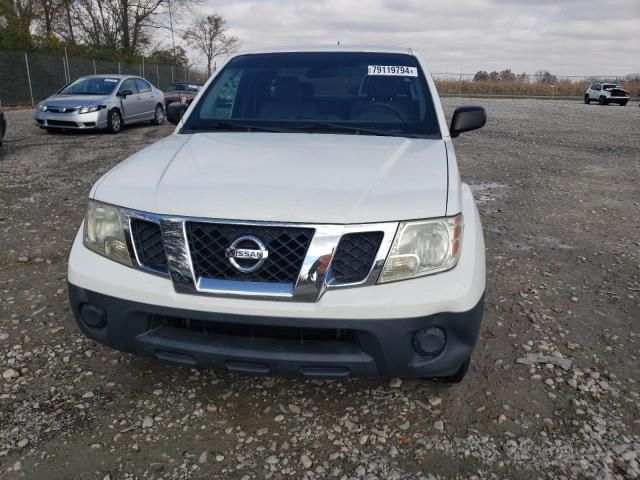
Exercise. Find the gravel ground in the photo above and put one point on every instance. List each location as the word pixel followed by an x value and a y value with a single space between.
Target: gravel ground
pixel 553 390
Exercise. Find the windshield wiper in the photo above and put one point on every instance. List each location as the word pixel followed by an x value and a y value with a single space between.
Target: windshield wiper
pixel 231 126
pixel 311 127
pixel 335 127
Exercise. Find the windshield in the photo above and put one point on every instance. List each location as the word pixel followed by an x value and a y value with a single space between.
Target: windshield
pixel 91 86
pixel 338 92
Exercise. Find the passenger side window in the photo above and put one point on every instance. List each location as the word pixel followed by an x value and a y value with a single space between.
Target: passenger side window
pixel 128 84
pixel 219 104
pixel 143 86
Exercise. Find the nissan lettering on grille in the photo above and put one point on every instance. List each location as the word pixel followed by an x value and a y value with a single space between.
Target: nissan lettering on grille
pixel 245 259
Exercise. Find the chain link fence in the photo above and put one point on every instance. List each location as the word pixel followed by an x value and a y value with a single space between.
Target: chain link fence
pixel 27 78
pixel 549 85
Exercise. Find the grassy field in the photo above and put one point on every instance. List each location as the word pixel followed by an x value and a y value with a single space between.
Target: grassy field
pixel 561 88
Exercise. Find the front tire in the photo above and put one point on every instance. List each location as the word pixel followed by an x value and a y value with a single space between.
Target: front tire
pixel 622 104
pixel 457 377
pixel 114 122
pixel 587 100
pixel 602 100
pixel 158 116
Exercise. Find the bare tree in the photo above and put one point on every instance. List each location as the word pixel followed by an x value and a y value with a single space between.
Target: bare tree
pixel 122 26
pixel 209 35
pixel 114 27
pixel 481 76
pixel 18 18
pixel 507 75
pixel 544 76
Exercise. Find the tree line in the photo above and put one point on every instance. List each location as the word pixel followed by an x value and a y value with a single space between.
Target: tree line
pixel 541 76
pixel 122 29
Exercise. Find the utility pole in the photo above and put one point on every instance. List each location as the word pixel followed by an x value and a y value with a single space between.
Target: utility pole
pixel 173 40
pixel 68 72
pixel 26 61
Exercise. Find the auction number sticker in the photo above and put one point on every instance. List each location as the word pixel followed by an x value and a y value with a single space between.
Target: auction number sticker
pixel 393 70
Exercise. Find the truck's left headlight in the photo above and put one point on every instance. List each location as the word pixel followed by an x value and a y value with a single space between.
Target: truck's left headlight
pixel 422 248
pixel 103 232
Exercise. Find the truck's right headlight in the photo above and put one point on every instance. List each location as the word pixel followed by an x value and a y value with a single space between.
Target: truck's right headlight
pixel 422 248
pixel 103 232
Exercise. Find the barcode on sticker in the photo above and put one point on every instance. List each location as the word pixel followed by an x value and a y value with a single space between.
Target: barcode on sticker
pixel 399 70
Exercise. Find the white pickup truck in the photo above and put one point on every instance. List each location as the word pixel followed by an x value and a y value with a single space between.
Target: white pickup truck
pixel 305 218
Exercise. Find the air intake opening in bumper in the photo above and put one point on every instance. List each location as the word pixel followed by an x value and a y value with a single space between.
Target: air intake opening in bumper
pixel 251 331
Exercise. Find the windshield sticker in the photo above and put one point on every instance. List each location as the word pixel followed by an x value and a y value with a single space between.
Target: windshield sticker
pixel 393 70
pixel 113 80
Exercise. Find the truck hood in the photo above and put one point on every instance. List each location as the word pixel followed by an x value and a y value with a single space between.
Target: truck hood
pixel 285 177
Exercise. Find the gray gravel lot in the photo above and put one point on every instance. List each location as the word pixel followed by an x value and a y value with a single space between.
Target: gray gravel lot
pixel 553 390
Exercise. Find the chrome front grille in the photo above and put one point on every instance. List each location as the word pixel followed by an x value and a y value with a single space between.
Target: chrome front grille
pixel 56 109
pixel 287 248
pixel 303 261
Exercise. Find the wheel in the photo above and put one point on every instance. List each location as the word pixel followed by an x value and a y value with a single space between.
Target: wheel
pixel 158 117
pixel 587 100
pixel 457 376
pixel 114 122
pixel 622 104
pixel 602 100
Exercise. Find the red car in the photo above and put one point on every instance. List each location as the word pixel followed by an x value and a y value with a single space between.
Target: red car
pixel 181 92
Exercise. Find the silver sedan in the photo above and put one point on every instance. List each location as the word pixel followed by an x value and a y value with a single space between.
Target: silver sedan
pixel 102 101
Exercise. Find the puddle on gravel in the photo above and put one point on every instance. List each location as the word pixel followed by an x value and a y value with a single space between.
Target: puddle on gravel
pixel 552 242
pixel 518 246
pixel 485 192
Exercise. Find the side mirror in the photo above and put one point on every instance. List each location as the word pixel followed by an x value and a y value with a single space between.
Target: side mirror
pixel 467 118
pixel 175 111
pixel 125 93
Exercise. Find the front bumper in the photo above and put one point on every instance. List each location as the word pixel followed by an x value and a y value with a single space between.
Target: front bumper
pixel 318 348
pixel 73 120
pixel 374 325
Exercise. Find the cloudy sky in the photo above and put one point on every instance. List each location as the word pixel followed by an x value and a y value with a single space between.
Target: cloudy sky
pixel 570 37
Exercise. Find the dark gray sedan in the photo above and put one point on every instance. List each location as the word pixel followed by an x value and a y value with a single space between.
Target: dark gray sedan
pixel 102 102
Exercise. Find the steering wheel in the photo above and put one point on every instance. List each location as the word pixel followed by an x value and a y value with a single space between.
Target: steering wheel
pixel 391 108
